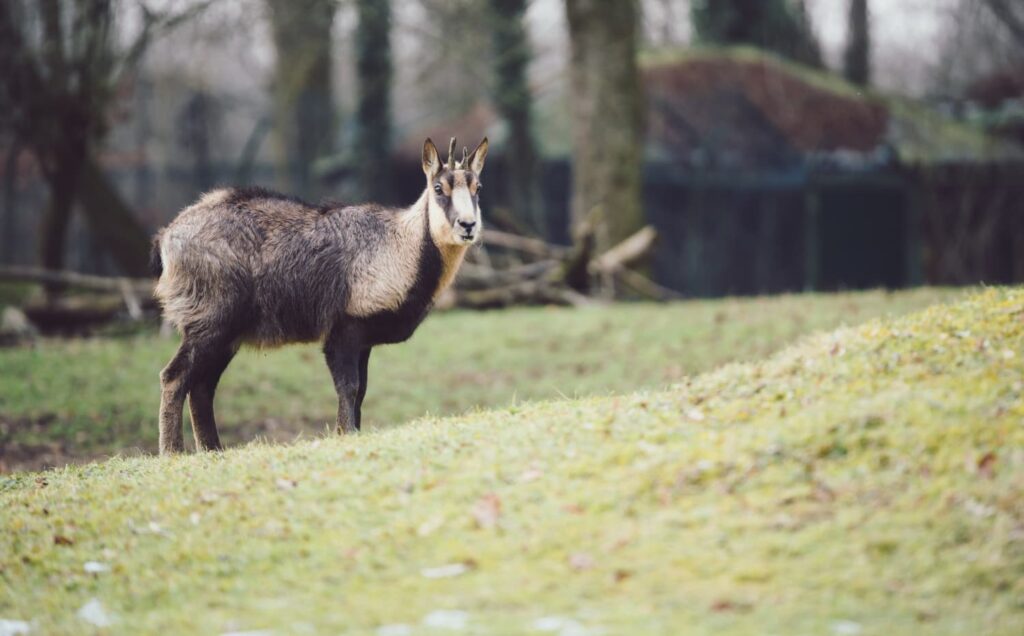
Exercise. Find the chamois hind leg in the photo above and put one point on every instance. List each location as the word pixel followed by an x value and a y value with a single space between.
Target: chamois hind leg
pixel 364 367
pixel 207 368
pixel 173 389
pixel 343 361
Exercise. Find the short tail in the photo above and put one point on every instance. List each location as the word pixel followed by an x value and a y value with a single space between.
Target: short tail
pixel 156 264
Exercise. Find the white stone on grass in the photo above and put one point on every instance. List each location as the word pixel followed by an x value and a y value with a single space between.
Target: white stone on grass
pixel 95 567
pixel 446 619
pixel 846 628
pixel 445 571
pixel 10 627
pixel 95 614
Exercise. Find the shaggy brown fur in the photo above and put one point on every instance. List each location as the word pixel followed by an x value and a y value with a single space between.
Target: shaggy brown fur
pixel 253 266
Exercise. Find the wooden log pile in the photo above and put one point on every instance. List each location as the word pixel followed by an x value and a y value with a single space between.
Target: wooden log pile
pixel 507 269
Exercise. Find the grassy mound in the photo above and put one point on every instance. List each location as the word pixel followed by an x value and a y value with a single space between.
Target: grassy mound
pixel 867 481
pixel 67 399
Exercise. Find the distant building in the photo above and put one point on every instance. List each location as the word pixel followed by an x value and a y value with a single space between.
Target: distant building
pixel 763 176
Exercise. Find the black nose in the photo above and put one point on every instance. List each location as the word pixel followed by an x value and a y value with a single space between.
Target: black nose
pixel 467 225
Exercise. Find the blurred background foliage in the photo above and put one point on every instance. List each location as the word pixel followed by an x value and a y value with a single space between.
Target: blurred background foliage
pixel 775 145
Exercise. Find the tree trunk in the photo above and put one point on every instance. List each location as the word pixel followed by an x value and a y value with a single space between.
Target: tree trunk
pixel 10 224
pixel 1012 19
pixel 61 171
pixel 857 58
pixel 511 92
pixel 303 99
pixel 781 26
pixel 53 228
pixel 607 119
pixel 373 126
pixel 111 221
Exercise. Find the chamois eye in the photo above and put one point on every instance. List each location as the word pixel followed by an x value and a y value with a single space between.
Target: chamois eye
pixel 479 187
pixel 437 188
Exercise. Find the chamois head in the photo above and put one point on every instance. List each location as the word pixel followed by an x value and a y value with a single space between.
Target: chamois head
pixel 453 192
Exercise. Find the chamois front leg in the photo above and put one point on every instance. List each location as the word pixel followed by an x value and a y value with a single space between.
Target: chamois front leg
pixel 343 361
pixel 364 367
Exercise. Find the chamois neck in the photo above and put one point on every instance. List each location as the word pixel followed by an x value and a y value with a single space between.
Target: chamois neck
pixel 440 231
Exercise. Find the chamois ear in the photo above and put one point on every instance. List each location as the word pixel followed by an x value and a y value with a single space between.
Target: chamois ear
pixel 431 160
pixel 476 160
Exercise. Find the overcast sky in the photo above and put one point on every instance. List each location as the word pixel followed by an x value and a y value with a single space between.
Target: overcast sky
pixel 906 35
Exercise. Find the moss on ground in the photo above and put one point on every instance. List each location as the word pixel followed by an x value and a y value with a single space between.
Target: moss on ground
pixel 89 397
pixel 864 481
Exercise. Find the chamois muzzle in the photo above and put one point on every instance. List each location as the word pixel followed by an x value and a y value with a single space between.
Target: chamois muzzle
pixel 467 231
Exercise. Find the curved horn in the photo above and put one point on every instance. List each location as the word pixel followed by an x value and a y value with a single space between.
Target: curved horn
pixel 463 164
pixel 451 154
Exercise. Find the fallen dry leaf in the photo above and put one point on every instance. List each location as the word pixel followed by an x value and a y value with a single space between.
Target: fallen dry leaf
pixel 987 465
pixel 725 605
pixel 487 511
pixel 581 561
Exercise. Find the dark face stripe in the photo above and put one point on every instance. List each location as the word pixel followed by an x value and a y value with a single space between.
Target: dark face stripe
pixel 449 181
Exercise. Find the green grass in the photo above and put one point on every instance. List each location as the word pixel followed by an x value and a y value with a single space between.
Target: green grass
pixel 90 397
pixel 864 481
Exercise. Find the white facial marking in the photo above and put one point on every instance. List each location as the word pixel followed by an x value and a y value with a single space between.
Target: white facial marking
pixel 465 212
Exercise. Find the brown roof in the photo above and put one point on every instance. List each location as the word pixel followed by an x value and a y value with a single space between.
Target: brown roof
pixel 747 112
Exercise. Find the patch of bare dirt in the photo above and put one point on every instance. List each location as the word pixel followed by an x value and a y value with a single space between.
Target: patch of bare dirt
pixel 19 456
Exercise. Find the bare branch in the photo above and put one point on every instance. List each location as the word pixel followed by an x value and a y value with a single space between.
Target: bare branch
pixel 155 25
pixel 1003 10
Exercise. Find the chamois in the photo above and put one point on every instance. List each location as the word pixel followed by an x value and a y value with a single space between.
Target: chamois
pixel 247 265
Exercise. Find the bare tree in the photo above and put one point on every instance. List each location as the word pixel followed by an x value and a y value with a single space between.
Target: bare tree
pixel 62 68
pixel 511 93
pixel 373 117
pixel 303 99
pixel 607 121
pixel 857 57
pixel 451 69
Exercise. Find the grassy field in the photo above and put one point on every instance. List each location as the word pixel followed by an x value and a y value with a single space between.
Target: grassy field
pixel 864 481
pixel 84 398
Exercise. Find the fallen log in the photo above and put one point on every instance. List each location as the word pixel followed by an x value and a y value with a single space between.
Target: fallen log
pixel 628 251
pixel 645 286
pixel 23 274
pixel 524 244
pixel 555 275
pixel 477 276
pixel 71 313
